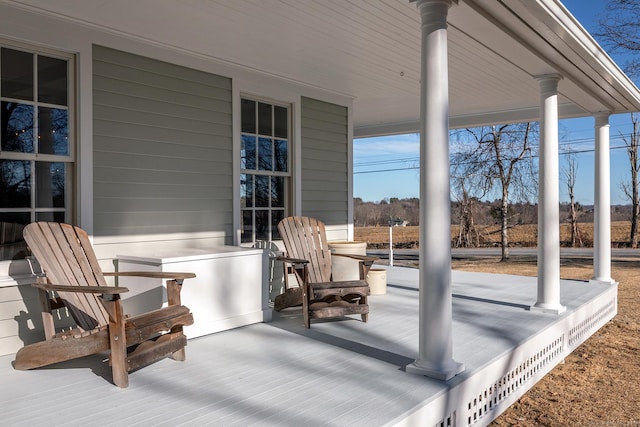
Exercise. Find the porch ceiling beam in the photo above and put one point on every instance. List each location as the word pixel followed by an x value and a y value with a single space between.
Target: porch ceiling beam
pixel 546 30
pixel 471 120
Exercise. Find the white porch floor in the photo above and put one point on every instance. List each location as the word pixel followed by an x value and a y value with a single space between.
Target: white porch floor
pixel 341 373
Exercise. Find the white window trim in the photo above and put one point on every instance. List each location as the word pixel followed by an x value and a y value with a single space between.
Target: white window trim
pixel 14 272
pixel 291 157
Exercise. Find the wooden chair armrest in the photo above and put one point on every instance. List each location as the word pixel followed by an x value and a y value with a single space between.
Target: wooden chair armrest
pixel 292 260
pixel 152 274
pixel 106 290
pixel 361 258
pixel 174 284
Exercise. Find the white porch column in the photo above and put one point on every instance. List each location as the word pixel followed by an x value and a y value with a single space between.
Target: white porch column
pixel 435 340
pixel 549 199
pixel 602 203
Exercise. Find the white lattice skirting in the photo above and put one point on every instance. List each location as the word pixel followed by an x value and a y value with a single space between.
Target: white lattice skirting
pixel 487 393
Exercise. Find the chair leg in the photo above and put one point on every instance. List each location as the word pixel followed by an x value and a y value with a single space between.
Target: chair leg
pixel 180 355
pixel 307 320
pixel 305 306
pixel 173 298
pixel 119 370
pixel 364 316
pixel 117 343
pixel 47 316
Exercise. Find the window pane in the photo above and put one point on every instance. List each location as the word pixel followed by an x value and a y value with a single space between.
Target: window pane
pixel 17 131
pixel 246 227
pixel 53 137
pixel 264 119
pixel 277 191
pixel 265 154
pixel 280 157
pixel 52 80
pixel 22 218
pixel 248 116
pixel 262 191
pixel 262 225
pixel 248 153
pixel 17 74
pixel 50 183
pixel 15 184
pixel 276 217
pixel 281 122
pixel 12 244
pixel 50 216
pixel 246 191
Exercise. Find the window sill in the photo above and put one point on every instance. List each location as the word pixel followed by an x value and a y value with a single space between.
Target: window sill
pixel 15 272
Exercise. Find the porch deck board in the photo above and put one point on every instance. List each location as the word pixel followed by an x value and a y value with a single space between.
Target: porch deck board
pixel 336 373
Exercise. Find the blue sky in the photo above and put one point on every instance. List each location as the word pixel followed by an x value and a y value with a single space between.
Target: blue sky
pixel 388 166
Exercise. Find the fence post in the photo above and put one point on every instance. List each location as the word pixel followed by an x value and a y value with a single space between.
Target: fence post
pixel 390 243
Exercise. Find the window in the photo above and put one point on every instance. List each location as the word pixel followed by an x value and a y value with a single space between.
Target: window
pixel 265 170
pixel 36 150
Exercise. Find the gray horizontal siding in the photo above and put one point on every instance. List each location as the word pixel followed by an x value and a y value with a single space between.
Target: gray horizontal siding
pixel 21 319
pixel 325 168
pixel 163 150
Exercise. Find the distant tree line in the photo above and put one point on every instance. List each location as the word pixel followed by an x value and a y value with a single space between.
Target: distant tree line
pixel 378 214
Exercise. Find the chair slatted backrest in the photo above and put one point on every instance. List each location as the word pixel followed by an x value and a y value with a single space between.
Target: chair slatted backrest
pixel 67 258
pixel 306 238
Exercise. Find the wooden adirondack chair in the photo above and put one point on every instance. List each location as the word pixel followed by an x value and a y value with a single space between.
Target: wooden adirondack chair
pixel 73 274
pixel 309 256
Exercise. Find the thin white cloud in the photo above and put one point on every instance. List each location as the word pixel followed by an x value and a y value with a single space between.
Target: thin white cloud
pixel 387 146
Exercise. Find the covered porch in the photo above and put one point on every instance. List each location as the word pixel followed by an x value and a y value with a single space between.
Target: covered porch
pixel 375 64
pixel 336 373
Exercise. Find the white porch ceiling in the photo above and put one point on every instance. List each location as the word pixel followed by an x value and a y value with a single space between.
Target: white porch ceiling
pixel 370 50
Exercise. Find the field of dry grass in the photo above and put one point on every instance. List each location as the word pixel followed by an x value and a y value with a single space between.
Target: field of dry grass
pixel 599 383
pixel 524 235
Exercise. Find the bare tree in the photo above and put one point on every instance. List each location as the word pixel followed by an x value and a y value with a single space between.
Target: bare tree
pixel 501 156
pixel 468 236
pixel 620 32
pixel 570 173
pixel 467 189
pixel 632 188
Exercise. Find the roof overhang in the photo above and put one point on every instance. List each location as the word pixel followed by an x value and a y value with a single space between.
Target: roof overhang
pixel 370 51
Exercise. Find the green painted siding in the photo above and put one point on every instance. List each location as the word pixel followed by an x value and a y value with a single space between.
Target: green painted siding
pixel 325 161
pixel 162 147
